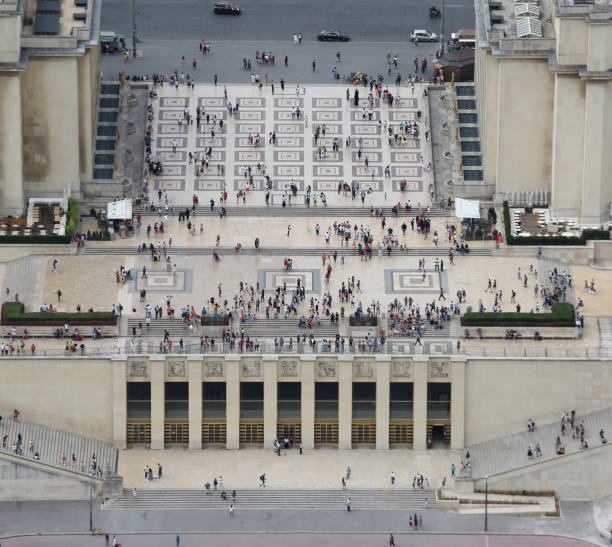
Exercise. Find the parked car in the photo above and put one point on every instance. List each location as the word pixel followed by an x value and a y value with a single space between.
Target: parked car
pixel 423 36
pixel 333 35
pixel 227 8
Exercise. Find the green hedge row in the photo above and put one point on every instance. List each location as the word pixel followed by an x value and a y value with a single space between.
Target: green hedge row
pixel 550 240
pixel 73 217
pixel 14 313
pixel 562 315
pixel 36 240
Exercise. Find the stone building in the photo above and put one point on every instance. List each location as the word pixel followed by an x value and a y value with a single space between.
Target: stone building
pixel 544 98
pixel 49 77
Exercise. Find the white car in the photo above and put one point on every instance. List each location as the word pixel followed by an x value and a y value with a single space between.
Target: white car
pixel 423 36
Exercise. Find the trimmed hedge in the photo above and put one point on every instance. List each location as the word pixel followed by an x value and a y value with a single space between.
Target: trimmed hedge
pixel 36 240
pixel 214 320
pixel 13 313
pixel 550 240
pixel 73 217
pixel 562 315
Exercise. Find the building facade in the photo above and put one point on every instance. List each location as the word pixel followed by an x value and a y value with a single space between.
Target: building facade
pixel 343 401
pixel 544 99
pixel 49 77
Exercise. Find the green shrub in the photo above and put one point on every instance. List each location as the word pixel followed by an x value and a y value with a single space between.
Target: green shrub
pixel 36 240
pixel 14 313
pixel 73 217
pixel 562 315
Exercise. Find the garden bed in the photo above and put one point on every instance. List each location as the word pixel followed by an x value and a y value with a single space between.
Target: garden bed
pixel 13 313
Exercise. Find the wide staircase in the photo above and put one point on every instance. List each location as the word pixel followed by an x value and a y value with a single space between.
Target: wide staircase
pixel 51 443
pixel 288 327
pixel 269 498
pixel 510 452
pixel 295 211
pixel 441 250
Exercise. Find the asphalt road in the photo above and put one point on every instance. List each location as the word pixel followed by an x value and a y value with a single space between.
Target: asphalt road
pixel 169 30
pixel 278 20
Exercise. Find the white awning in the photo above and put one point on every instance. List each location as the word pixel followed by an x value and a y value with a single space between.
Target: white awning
pixel 119 209
pixel 467 208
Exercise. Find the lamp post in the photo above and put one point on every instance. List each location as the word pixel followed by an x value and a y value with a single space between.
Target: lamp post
pixel 133 29
pixel 91 503
pixel 486 503
pixel 442 28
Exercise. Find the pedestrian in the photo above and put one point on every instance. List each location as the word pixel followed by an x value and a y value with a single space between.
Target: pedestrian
pixel 134 493
pixel 231 510
pixel 343 484
pixel 391 541
pixel 348 504
pixel 262 478
pixel 392 476
pixel 215 78
pixel 59 295
pixel 178 540
pixel 348 472
pixel 453 470
pixel 300 449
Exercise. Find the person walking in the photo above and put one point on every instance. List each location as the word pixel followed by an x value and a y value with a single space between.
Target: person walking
pixel 392 477
pixel 231 510
pixel 178 540
pixel 348 472
pixel 453 470
pixel 391 541
pixel 348 504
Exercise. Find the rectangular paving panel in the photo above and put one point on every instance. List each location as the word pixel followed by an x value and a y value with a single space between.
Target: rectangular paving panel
pixel 406 171
pixel 287 116
pixel 363 171
pixel 163 281
pixel 366 142
pixel 203 185
pixel 215 142
pixel 333 129
pixel 212 102
pixel 251 115
pixel 171 185
pixel 411 186
pixel 244 142
pixel 173 102
pixel 415 282
pixel 250 128
pixel 326 102
pixel 357 116
pixel 289 142
pixel 409 143
pixel 289 155
pixel 171 129
pixel 325 116
pixel 365 129
pixel 288 170
pixel 284 185
pixel 329 141
pixel 175 170
pixel 251 102
pixel 373 157
pixel 242 184
pixel 310 280
pixel 376 185
pixel 172 156
pixel 249 156
pixel 406 102
pixel 329 156
pixel 363 100
pixel 404 157
pixel 289 128
pixel 288 102
pixel 402 116
pixel 328 170
pixel 330 185
pixel 166 142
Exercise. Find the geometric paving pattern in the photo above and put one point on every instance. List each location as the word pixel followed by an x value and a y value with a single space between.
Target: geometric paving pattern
pixel 414 282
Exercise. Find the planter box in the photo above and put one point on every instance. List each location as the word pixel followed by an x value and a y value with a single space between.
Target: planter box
pixel 363 321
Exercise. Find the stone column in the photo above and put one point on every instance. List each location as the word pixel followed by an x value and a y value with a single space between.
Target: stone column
pixel 270 402
pixel 308 402
pixel 232 402
pixel 194 374
pixel 119 367
pixel 11 143
pixel 383 365
pixel 345 404
pixel 158 396
pixel 458 405
pixel 420 403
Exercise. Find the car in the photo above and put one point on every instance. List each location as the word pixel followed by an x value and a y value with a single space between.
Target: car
pixel 333 35
pixel 227 8
pixel 423 36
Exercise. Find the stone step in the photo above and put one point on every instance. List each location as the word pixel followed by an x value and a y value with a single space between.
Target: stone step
pixel 509 452
pixel 50 443
pixel 264 498
pixel 442 251
pixel 295 211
